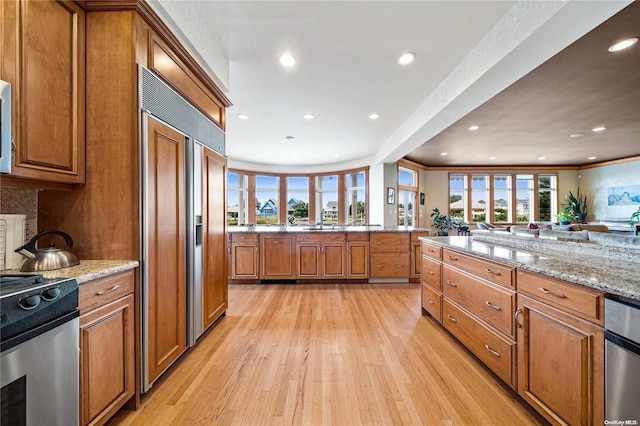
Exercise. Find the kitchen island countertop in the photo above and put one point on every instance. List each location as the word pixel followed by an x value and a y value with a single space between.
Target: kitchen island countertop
pixel 257 229
pixel 611 275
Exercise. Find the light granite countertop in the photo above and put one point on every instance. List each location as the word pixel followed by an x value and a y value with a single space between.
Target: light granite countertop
pixel 87 270
pixel 316 228
pixel 612 275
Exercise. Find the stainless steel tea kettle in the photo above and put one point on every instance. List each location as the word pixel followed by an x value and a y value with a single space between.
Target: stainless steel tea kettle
pixel 49 258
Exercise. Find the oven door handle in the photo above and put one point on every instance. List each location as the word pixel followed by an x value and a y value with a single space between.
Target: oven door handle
pixel 630 345
pixel 23 337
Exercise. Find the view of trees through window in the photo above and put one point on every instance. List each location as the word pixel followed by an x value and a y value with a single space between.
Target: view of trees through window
pixel 355 199
pixel 407 192
pixel 298 200
pixel 492 196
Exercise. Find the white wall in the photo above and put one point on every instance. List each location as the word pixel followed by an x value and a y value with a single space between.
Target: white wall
pixel 436 194
pixel 595 182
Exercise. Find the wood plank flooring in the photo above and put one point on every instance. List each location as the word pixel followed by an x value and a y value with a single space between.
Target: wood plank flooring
pixel 328 354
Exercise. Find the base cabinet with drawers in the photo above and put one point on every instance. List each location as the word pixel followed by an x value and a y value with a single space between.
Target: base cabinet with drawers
pixel 431 283
pixel 390 254
pixel 107 346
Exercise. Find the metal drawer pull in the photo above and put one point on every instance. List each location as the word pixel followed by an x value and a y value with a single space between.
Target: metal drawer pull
pixel 515 317
pixel 429 271
pixel 430 301
pixel 431 251
pixel 492 272
pixel 399 265
pixel 379 243
pixel 556 294
pixel 491 351
pixel 452 319
pixel 277 242
pixel 114 288
pixel 491 305
pixel 380 265
pixel 452 284
pixel 452 258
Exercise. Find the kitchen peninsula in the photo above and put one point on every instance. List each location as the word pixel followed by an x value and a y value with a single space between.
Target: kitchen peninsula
pixel 324 253
pixel 532 310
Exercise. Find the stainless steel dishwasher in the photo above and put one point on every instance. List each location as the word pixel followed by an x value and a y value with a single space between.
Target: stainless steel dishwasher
pixel 622 361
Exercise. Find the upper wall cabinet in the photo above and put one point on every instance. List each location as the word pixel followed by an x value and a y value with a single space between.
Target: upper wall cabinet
pixel 43 44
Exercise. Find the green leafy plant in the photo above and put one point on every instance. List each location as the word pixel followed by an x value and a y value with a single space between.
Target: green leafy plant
pixel 442 223
pixel 565 215
pixel 635 216
pixel 577 204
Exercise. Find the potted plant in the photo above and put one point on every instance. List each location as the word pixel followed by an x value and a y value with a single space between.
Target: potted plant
pixel 462 225
pixel 577 204
pixel 442 223
pixel 565 216
pixel 635 216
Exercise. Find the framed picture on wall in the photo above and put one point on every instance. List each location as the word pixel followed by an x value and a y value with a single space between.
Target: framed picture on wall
pixel 391 195
pixel 422 198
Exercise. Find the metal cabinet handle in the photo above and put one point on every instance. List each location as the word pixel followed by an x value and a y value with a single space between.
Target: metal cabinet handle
pixel 491 305
pixel 452 319
pixel 556 294
pixel 399 265
pixel 452 284
pixel 277 242
pixel 452 258
pixel 379 243
pixel 515 317
pixel 429 271
pixel 380 265
pixel 430 301
pixel 491 351
pixel 431 250
pixel 492 272
pixel 114 288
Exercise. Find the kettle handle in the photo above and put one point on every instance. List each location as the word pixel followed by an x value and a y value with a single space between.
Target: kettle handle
pixel 31 245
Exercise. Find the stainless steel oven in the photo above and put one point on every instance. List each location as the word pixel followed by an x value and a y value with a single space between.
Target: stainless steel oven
pixel 622 361
pixel 40 351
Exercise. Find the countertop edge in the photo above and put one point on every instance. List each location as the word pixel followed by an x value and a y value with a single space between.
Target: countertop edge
pixel 89 270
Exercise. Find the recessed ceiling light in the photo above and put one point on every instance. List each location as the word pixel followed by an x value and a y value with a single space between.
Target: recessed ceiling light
pixel 623 44
pixel 492 158
pixel 598 129
pixel 576 135
pixel 308 116
pixel 374 116
pixel 287 60
pixel 443 153
pixel 243 116
pixel 542 158
pixel 591 158
pixel 474 127
pixel 406 58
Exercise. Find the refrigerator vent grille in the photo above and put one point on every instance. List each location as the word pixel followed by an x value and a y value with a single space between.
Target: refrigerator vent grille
pixel 163 102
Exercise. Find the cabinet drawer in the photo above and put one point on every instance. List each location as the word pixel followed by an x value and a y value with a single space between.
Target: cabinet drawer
pixel 432 302
pixel 390 242
pixel 491 303
pixel 392 265
pixel 490 271
pixel 321 237
pixel 358 236
pixel 241 237
pixel 431 272
pixel 104 290
pixel 431 251
pixel 580 301
pixel 495 351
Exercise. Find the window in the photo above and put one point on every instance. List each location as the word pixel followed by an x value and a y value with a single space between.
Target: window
pixel 356 207
pixel 298 200
pixel 237 211
pixel 327 199
pixel 266 200
pixel 407 192
pixel 503 197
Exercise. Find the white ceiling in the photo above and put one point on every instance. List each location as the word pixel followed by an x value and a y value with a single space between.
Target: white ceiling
pixel 346 69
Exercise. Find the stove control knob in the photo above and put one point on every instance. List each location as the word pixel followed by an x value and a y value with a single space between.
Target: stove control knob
pixel 29 302
pixel 50 294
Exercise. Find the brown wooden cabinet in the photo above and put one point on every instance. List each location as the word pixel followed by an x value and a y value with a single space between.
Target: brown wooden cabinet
pixel 43 57
pixel 390 255
pixel 560 355
pixel 277 256
pixel 214 224
pixel 431 287
pixel 244 256
pixel 416 256
pixel 358 255
pixel 321 255
pixel 107 341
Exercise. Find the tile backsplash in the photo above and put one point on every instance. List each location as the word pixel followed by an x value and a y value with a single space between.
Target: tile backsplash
pixel 21 201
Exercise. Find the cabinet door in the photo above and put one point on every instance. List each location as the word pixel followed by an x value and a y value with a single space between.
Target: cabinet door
pixel 560 364
pixel 308 260
pixel 107 360
pixel 44 44
pixel 244 259
pixel 334 260
pixel 277 257
pixel 358 260
pixel 166 292
pixel 214 244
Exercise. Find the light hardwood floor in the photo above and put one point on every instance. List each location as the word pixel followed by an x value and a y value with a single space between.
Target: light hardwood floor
pixel 328 354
